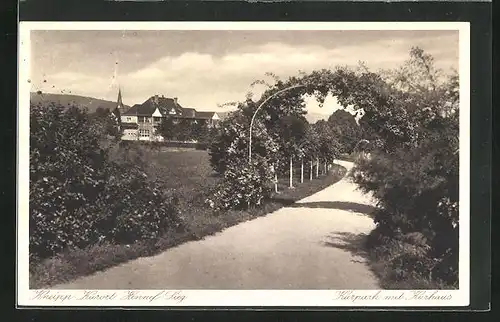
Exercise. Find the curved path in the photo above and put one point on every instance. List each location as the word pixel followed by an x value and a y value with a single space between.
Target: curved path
pixel 312 244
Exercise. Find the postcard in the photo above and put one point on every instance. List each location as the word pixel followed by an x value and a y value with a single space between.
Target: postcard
pixel 243 164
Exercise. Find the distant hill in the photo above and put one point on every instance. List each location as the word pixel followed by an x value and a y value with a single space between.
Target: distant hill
pixel 65 100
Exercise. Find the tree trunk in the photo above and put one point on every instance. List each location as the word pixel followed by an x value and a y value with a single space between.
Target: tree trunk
pixel 301 170
pixel 325 168
pixel 317 167
pixel 311 172
pixel 275 179
pixel 291 172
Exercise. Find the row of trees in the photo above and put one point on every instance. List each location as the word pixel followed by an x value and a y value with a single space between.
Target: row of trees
pixel 411 120
pixel 282 140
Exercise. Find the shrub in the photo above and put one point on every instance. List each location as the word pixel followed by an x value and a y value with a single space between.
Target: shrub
pixel 244 185
pixel 413 169
pixel 79 194
pixel 417 190
pixel 67 171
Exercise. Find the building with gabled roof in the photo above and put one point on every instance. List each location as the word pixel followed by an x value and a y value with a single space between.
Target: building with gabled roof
pixel 141 121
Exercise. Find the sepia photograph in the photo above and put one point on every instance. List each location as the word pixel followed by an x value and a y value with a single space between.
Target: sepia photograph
pixel 243 164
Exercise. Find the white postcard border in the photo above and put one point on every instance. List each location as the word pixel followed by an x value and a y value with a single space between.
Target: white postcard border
pixel 239 298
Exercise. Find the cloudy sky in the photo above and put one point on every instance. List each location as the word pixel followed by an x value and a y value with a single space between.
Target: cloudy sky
pixel 207 68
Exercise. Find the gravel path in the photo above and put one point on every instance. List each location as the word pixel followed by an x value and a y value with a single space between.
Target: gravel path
pixel 313 244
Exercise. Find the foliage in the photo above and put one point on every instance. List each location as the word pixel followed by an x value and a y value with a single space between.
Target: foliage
pixel 167 128
pixel 199 220
pixel 107 123
pixel 244 185
pixel 327 143
pixel 231 143
pixel 184 129
pixel 346 130
pixel 417 183
pixel 290 134
pixel 78 194
pixel 411 123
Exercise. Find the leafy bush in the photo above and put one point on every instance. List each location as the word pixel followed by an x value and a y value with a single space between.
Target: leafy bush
pixel 230 147
pixel 243 186
pixel 418 192
pixel 79 195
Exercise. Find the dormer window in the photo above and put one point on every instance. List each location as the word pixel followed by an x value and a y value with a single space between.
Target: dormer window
pixel 172 111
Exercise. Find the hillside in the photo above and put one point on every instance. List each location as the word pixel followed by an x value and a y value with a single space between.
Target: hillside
pixel 65 99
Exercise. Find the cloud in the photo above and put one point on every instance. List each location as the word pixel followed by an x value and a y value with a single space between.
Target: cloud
pixel 204 78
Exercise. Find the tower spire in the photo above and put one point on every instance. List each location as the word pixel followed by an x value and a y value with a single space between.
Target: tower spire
pixel 119 102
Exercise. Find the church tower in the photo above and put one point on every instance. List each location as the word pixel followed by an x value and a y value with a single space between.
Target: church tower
pixel 119 100
pixel 118 108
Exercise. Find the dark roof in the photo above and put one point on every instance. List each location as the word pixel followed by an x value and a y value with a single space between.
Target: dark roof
pixel 165 105
pixel 147 108
pixel 131 111
pixel 204 115
pixel 189 112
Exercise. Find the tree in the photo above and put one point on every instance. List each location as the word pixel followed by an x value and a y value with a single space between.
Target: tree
pixel 167 128
pixel 311 148
pixel 290 132
pixel 106 123
pixel 411 120
pixel 417 183
pixel 80 194
pixel 244 184
pixel 232 141
pixel 345 129
pixel 183 130
pixel 411 116
pixel 327 143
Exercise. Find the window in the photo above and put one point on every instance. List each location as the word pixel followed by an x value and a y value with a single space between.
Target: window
pixel 141 119
pixel 129 119
pixel 144 133
pixel 157 119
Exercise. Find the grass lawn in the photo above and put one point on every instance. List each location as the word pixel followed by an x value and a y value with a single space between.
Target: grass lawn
pixel 187 173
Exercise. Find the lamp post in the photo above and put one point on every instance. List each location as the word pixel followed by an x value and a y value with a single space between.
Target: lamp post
pixel 255 113
pixel 362 140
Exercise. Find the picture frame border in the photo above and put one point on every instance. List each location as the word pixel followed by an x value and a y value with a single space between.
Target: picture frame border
pixel 477 14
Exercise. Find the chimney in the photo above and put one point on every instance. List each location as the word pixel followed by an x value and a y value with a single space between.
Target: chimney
pixel 175 100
